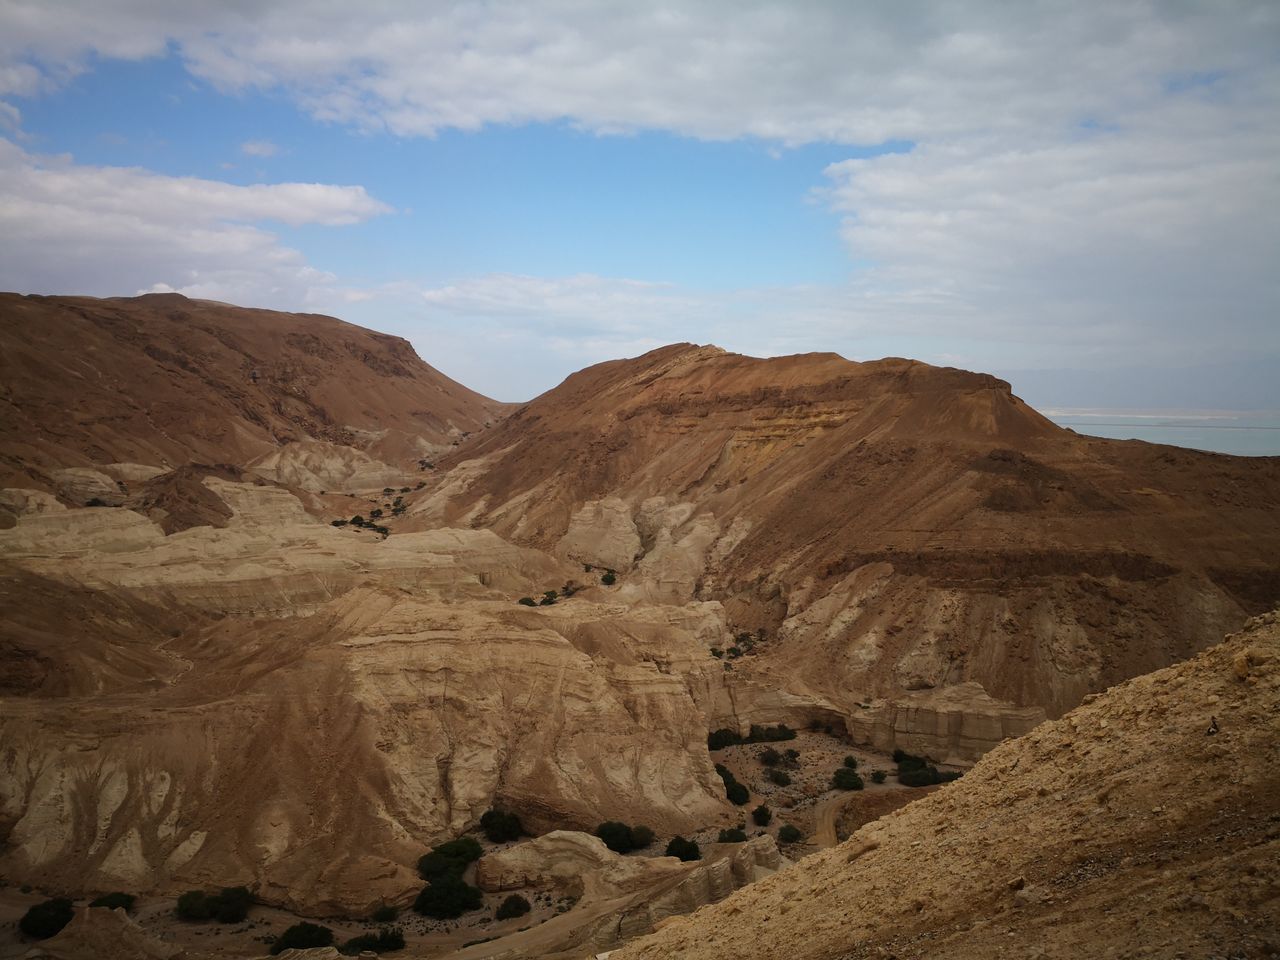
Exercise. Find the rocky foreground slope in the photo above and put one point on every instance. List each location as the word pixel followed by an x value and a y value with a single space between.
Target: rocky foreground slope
pixel 1144 823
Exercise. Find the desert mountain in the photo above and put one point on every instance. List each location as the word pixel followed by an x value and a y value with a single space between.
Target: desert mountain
pixel 889 526
pixel 315 623
pixel 164 381
pixel 1144 823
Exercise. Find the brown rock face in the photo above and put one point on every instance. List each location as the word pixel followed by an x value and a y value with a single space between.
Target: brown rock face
pixel 165 381
pixel 890 526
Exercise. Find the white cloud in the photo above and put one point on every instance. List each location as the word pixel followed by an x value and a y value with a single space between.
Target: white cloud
pixel 259 148
pixel 113 230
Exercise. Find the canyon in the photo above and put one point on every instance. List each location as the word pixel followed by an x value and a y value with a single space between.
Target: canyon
pixel 211 676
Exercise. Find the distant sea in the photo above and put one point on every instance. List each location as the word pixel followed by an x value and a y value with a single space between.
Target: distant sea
pixel 1248 434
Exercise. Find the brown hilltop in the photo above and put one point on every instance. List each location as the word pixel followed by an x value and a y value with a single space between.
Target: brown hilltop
pixel 895 525
pixel 163 380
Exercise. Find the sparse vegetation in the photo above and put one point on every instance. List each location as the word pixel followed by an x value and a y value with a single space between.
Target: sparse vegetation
pixel 528 601
pixel 732 835
pixel 449 858
pixel 301 936
pixel 789 834
pixel 609 578
pixel 851 763
pixel 384 941
pixel 724 737
pixel 385 914
pixel 735 792
pixel 447 897
pixel 621 838
pixel 916 771
pixel 761 815
pixel 230 905
pixel 878 776
pixel 779 777
pixel 846 778
pixel 45 919
pixel 686 850
pixel 500 826
pixel 113 901
pixel 769 757
pixel 549 598
pixel 514 906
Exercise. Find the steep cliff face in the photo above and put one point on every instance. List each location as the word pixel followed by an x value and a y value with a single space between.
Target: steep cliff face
pixel 1142 823
pixel 890 526
pixel 164 381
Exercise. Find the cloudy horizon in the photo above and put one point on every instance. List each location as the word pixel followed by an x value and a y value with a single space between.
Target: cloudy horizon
pixel 1082 201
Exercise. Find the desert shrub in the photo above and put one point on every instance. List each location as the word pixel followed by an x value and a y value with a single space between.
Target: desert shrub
pixel 357 520
pixel 384 914
pixel 231 905
pixel 375 514
pixel 616 836
pixel 846 779
pixel 851 763
pixel 724 737
pixel 192 905
pixel 770 757
pixel 686 850
pixel 112 901
pixel 528 601
pixel 387 490
pixel 447 897
pixel 792 756
pixel 733 835
pixel 917 777
pixel 500 826
pixel 877 776
pixel 449 858
pixel 735 652
pixel 609 578
pixel 45 919
pixel 641 837
pixel 587 568
pixel 717 652
pixel 514 906
pixel 733 790
pixel 908 761
pixel 338 523
pixel 384 941
pixel 779 777
pixel 946 776
pixel 546 602
pixel 789 834
pixel 761 815
pixel 767 734
pixel 303 935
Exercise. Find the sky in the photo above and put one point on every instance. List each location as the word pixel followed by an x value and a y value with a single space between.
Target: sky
pixel 1081 198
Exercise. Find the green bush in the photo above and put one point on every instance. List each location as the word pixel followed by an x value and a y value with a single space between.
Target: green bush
pixel 450 857
pixel 762 815
pixel 500 826
pixel 514 906
pixel 846 779
pixel 303 935
pixel 686 850
pixel 447 897
pixel 112 901
pixel 384 914
pixel 770 757
pixel 789 834
pixel 45 919
pixel 851 763
pixel 737 794
pixel 925 777
pixel 768 734
pixel 616 836
pixel 779 777
pixel 528 601
pixel 719 739
pixel 641 837
pixel 877 776
pixel 907 761
pixel 734 835
pixel 384 941
pixel 609 578
pixel 231 905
